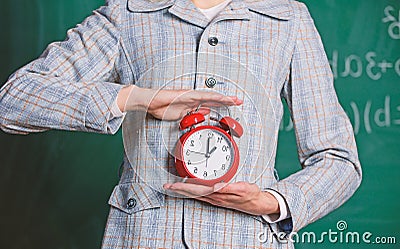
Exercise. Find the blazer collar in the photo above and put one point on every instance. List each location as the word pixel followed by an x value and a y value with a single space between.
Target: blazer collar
pixel 280 9
pixel 148 5
pixel 185 9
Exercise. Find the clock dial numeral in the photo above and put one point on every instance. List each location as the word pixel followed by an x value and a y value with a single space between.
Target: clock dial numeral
pixel 219 140
pixel 205 174
pixel 195 170
pixel 210 134
pixel 188 152
pixel 215 172
pixel 225 148
pixel 223 167
pixel 228 157
pixel 189 162
pixel 192 143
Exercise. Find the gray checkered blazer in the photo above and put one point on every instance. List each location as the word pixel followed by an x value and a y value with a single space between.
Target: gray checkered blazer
pixel 261 51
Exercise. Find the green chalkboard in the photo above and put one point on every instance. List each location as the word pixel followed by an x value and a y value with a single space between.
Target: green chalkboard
pixel 362 41
pixel 54 186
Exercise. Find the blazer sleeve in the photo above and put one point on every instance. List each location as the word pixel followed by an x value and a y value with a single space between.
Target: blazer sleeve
pixel 69 86
pixel 327 151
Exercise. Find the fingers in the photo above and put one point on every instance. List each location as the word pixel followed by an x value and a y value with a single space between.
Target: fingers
pixel 242 196
pixel 204 193
pixel 238 188
pixel 219 189
pixel 208 99
pixel 217 99
pixel 172 104
pixel 189 189
pixel 221 201
pixel 204 110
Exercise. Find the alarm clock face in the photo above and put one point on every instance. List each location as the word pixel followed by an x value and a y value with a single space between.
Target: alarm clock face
pixel 208 153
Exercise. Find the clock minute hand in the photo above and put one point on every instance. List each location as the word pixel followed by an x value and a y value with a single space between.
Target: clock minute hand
pixel 208 148
pixel 208 145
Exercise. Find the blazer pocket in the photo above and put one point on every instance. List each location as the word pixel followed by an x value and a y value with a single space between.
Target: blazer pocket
pixel 133 197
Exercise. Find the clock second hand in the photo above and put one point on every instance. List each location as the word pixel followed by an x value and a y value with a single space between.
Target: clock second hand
pixel 197 152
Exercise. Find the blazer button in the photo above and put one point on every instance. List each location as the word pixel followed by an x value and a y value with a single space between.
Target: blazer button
pixel 213 41
pixel 131 203
pixel 211 82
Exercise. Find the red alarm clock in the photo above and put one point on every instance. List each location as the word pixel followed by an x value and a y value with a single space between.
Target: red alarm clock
pixel 207 154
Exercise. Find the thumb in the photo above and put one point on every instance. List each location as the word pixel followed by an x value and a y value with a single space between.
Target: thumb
pixel 204 110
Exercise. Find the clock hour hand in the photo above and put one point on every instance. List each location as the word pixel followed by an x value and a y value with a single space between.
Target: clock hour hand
pixel 212 150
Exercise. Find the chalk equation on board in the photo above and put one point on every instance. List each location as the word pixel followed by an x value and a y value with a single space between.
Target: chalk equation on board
pixel 393 21
pixel 376 115
pixel 370 64
pixel 367 116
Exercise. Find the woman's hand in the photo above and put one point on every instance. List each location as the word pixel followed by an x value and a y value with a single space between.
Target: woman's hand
pixel 242 196
pixel 171 104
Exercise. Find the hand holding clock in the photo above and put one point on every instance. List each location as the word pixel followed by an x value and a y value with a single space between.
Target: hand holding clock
pixel 240 196
pixel 170 104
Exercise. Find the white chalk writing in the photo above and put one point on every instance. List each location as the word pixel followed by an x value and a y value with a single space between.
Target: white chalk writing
pixel 365 116
pixel 355 65
pixel 394 23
